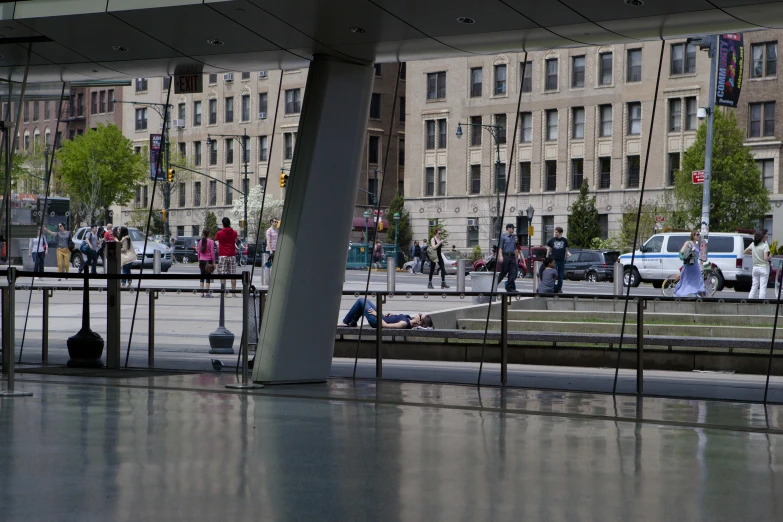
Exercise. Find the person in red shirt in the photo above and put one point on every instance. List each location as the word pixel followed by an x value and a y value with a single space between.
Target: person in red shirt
pixel 226 238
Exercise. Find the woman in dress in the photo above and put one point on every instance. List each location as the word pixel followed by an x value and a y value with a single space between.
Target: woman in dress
pixel 691 281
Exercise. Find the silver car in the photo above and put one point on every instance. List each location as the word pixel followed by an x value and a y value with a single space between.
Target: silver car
pixel 449 259
pixel 137 238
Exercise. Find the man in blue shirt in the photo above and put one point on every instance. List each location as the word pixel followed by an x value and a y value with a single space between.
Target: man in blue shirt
pixel 398 321
pixel 507 256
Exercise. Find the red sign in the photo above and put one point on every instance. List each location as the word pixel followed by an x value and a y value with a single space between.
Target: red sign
pixel 698 176
pixel 660 219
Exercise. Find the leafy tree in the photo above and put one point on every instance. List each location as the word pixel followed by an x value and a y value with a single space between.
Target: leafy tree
pixel 99 169
pixel 397 205
pixel 17 170
pixel 650 209
pixel 211 223
pixel 138 219
pixel 738 198
pixel 273 207
pixel 583 224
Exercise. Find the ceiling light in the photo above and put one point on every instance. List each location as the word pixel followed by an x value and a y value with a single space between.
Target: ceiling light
pixel 466 20
pixel 635 3
pixel 120 48
pixel 357 30
pixel 214 41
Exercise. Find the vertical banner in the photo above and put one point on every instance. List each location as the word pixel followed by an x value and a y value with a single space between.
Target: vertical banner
pixel 156 167
pixel 731 57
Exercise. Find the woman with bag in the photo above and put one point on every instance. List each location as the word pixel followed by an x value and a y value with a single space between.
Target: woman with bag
pixel 434 253
pixel 127 255
pixel 691 279
pixel 206 260
pixel 760 252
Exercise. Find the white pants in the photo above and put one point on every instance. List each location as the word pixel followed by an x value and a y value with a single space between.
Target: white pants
pixel 759 288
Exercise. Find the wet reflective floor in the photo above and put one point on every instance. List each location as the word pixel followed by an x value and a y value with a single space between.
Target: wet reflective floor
pixel 185 448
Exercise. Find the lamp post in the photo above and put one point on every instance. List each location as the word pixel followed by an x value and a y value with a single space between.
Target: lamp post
pixel 495 131
pixel 243 143
pixel 366 234
pixel 396 233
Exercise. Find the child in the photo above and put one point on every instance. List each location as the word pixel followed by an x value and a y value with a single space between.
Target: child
pixel 547 277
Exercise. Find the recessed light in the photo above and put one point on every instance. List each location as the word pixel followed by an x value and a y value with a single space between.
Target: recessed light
pixel 357 30
pixel 635 3
pixel 95 70
pixel 466 20
pixel 120 48
pixel 214 41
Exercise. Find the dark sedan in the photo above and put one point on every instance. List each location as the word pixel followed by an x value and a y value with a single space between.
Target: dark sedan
pixel 591 265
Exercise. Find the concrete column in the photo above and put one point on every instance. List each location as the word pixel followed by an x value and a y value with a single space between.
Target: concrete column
pixel 297 333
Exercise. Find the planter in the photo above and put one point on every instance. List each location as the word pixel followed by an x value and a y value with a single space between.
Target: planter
pixel 481 282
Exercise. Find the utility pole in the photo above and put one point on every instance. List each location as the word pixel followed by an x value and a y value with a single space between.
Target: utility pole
pixel 166 187
pixel 246 187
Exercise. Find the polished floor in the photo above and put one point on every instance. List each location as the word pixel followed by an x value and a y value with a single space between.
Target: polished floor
pixel 185 448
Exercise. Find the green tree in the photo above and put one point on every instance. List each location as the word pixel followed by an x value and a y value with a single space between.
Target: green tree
pixel 17 170
pixel 138 219
pixel 211 223
pixel 583 224
pixel 273 208
pixel 397 205
pixel 99 169
pixel 738 198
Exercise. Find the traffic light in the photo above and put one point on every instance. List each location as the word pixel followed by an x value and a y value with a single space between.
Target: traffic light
pixel 283 179
pixel 241 223
pixel 170 177
pixel 163 214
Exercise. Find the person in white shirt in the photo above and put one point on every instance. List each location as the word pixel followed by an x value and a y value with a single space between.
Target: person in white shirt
pixel 38 246
pixel 271 240
pixel 760 251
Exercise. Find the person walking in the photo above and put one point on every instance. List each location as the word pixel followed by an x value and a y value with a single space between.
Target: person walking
pixel 547 277
pixel 691 280
pixel 416 257
pixel 509 263
pixel 93 244
pixel 377 254
pixel 37 249
pixel 434 251
pixel 557 249
pixel 226 239
pixel 63 239
pixel 206 256
pixel 271 240
pixel 759 249
pixel 127 254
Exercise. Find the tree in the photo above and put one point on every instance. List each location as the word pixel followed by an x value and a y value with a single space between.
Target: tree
pixel 397 205
pixel 17 170
pixel 273 207
pixel 661 206
pixel 211 223
pixel 138 219
pixel 583 224
pixel 99 169
pixel 738 198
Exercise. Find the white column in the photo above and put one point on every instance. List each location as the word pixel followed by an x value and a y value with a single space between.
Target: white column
pixel 298 328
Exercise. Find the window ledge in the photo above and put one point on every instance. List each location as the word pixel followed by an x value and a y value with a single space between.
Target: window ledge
pixel 606 86
pixel 764 79
pixel 436 100
pixel 683 75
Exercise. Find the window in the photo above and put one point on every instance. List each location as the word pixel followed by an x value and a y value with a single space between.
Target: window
pixel 765 60
pixel 262 184
pixel 634 73
pixel 473 232
pixel 633 172
pixel 475 179
pixel 372 152
pixel 36 113
pixel 196 113
pixel 441 181
pixel 229 109
pixel 524 176
pixel 402 108
pixel 605 130
pixel 213 112
pixel 475 82
pixel 213 152
pixel 578 71
pixel 475 131
pixel 197 194
pixel 401 153
pixel 430 181
pixel 551 74
pixel 551 125
pixel 212 193
pixel 691 122
pixel 430 124
pixel 102 107
pixel 767 173
pixel 141 119
pixel 500 79
pixel 442 131
pixel 674 166
pixel 80 104
pixel 166 82
pixel 144 195
pixel 436 86
pixel 683 58
pixel 551 176
pixel 527 76
pixel 605 69
pixel 500 121
pixel 229 192
pixel 263 99
pixel 675 114
pixel 288 145
pixel 604 172
pixel 141 84
pixel 110 108
pixel 229 143
pixel 197 153
pixel 212 80
pixel 371 192
pixel 181 194
pixel 578 123
pixel 245 107
pixel 757 128
pixel 526 136
pixel 377 68
pixel 293 101
pixel 634 118
pixel 375 106
pixel 500 177
pixel 263 150
pixel 27 111
pixel 183 149
pixel 577 173
pixel 46 109
pixel 245 149
pixel 245 75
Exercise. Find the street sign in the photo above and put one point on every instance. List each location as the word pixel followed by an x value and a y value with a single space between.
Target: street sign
pixel 659 226
pixel 530 230
pixel 188 83
pixel 659 219
pixel 156 168
pixel 697 176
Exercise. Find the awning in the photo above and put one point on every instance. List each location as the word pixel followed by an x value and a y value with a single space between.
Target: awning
pixel 359 223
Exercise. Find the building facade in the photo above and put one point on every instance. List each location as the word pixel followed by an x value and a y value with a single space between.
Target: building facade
pixel 235 104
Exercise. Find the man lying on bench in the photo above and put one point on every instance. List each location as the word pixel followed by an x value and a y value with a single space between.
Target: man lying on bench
pixel 399 321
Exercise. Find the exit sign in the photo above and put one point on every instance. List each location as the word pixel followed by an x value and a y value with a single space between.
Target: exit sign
pixel 188 83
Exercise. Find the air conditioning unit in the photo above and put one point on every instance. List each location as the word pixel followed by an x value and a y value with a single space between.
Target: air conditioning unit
pixel 262 74
pixel 261 115
pixel 178 124
pixel 472 222
pixel 228 77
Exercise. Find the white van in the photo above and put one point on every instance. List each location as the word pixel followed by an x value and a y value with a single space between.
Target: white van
pixel 659 257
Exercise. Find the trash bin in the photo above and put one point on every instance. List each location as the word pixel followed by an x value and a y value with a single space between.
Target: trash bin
pixel 27 261
pixel 481 282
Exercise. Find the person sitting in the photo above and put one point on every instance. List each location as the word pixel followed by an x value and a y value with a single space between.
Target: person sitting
pixel 547 277
pixel 398 321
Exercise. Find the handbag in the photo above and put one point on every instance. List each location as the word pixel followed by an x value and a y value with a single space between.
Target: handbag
pixel 432 253
pixel 71 244
pixel 209 267
pixel 84 247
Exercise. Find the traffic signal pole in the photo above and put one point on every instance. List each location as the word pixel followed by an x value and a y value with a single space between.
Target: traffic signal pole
pixel 166 192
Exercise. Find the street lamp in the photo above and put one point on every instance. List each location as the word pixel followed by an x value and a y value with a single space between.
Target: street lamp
pixel 396 233
pixel 366 234
pixel 495 131
pixel 243 142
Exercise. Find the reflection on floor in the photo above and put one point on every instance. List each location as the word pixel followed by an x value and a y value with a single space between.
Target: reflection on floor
pixel 185 448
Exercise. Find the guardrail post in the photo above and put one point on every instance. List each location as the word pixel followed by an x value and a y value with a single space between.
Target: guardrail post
pixel 156 262
pixel 503 340
pixel 640 306
pixel 617 278
pixel 460 275
pixel 379 338
pixel 9 354
pixel 151 330
pixel 113 308
pixel 391 276
pixel 536 269
pixel 47 293
pixel 243 347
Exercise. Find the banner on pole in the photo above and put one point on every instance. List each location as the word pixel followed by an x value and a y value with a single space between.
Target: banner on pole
pixel 731 57
pixel 156 167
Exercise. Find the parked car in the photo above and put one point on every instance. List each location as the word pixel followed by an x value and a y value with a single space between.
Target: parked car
pixel 591 265
pixel 745 277
pixel 184 248
pixel 481 265
pixel 449 259
pixel 137 238
pixel 533 254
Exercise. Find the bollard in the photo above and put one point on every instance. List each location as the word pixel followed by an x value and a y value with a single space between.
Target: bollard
pixel 460 275
pixel 391 268
pixel 156 262
pixel 617 278
pixel 245 385
pixel 8 358
pixel 151 330
pixel 536 268
pixel 47 294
